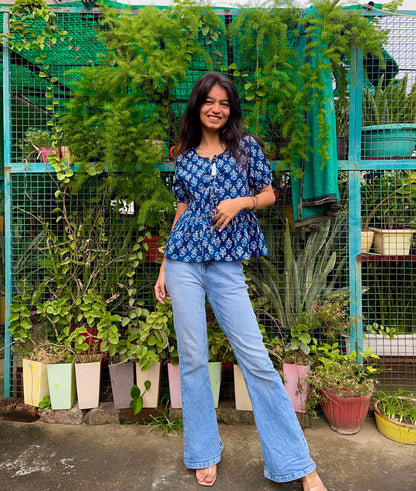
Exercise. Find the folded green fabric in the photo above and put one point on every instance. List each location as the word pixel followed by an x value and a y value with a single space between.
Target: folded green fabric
pixel 315 195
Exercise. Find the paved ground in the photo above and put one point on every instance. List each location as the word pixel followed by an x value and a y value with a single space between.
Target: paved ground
pixel 40 456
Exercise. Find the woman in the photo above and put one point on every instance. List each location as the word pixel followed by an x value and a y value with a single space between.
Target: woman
pixel 213 231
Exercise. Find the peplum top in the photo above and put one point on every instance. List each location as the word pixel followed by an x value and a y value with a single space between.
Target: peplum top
pixel 203 184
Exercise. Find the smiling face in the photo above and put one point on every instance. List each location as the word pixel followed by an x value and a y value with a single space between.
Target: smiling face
pixel 215 111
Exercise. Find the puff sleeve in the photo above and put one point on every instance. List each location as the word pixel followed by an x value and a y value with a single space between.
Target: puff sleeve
pixel 259 170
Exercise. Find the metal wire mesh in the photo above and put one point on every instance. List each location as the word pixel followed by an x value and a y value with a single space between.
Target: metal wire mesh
pixel 389 98
pixel 387 279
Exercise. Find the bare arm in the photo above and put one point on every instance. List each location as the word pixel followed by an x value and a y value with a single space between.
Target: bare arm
pixel 160 286
pixel 228 209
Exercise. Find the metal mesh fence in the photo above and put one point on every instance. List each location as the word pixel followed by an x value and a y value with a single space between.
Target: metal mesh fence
pixel 386 199
pixel 389 96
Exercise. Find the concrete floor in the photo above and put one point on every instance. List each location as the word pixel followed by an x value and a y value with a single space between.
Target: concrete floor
pixel 40 456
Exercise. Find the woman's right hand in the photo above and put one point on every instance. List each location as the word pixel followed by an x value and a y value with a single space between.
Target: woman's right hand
pixel 160 286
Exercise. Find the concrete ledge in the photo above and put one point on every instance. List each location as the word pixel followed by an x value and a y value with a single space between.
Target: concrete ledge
pixel 143 417
pixel 13 409
pixel 227 414
pixel 104 414
pixel 73 416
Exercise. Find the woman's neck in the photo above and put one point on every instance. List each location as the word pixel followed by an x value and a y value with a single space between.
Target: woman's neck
pixel 210 139
pixel 210 145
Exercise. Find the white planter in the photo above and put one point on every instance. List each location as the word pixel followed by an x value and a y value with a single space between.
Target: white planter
pixel 400 345
pixel 367 237
pixel 151 397
pixel 88 377
pixel 393 242
pixel 242 399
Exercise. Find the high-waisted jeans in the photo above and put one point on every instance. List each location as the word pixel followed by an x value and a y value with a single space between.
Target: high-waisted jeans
pixel 285 452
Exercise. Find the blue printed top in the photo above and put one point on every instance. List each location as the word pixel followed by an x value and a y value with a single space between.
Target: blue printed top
pixel 203 184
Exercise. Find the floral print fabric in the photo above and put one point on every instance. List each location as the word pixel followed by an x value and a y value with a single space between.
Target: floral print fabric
pixel 203 184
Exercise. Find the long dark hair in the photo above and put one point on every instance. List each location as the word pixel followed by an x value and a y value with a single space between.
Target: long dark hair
pixel 230 133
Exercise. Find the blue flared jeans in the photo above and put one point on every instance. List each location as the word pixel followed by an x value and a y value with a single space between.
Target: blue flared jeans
pixel 285 451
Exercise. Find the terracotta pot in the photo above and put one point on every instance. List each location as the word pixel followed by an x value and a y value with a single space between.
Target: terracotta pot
pixel 153 252
pixel 345 414
pixel 295 385
pixel 90 337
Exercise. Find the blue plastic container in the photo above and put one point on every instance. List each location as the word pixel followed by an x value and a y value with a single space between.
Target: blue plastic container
pixel 388 141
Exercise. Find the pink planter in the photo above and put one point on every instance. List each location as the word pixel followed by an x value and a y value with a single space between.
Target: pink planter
pixel 345 414
pixel 295 385
pixel 174 386
pixel 44 153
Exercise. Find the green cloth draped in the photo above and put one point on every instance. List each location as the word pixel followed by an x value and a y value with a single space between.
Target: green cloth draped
pixel 315 195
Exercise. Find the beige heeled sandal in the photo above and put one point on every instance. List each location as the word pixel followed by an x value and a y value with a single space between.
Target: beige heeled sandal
pixel 210 471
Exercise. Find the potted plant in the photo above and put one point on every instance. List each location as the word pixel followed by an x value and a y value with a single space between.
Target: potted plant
pixel 147 342
pixel 26 339
pixel 386 207
pixel 218 348
pixel 396 416
pixel 38 142
pixel 242 398
pixel 388 340
pixel 342 386
pixel 173 362
pixel 60 361
pixel 296 364
pixel 389 120
pixel 88 353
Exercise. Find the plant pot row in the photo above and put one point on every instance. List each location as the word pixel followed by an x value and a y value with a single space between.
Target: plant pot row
pixel 65 383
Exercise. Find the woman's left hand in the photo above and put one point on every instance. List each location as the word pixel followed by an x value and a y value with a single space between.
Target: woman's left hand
pixel 225 211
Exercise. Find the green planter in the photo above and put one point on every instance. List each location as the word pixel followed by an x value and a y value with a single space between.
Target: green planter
pixel 62 389
pixel 215 369
pixel 388 141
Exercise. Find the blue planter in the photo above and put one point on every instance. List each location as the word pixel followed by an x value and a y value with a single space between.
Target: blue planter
pixel 388 140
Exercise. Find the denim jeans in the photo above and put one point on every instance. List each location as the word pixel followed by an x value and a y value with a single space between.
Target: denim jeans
pixel 285 451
